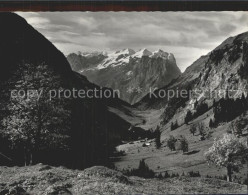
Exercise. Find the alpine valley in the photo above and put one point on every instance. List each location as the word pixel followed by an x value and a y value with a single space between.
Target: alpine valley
pixel 135 144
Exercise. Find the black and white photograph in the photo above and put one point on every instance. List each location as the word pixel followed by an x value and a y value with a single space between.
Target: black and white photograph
pixel 123 102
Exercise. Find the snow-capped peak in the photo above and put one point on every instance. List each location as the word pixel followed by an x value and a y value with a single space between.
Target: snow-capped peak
pixel 160 53
pixel 122 57
pixel 90 54
pixel 125 52
pixel 117 58
pixel 141 53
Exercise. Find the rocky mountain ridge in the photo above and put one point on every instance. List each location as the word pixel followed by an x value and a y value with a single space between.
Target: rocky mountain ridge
pixel 223 69
pixel 134 74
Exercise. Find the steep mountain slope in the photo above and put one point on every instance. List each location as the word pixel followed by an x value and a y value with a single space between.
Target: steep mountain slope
pixel 208 78
pixel 134 74
pixel 211 79
pixel 90 124
pixel 86 60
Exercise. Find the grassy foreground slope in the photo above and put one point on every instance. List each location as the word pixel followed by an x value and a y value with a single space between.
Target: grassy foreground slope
pixel 42 179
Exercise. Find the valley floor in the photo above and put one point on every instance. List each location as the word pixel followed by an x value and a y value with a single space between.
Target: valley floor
pixel 164 160
pixel 41 179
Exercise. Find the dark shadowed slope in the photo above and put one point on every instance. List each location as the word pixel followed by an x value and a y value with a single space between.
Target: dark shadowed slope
pixel 90 125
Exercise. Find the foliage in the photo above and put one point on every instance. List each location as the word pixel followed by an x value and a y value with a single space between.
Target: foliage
pixel 158 137
pixel 217 177
pixel 166 174
pixel 139 133
pixel 35 122
pixel 171 143
pixel 174 125
pixel 229 152
pixel 202 131
pixel 194 174
pixel 184 144
pixel 159 176
pixel 193 129
pixel 238 126
pixel 227 109
pixel 188 117
pixel 172 175
pixel 142 171
pixel 217 55
pixel 211 123
pixel 200 109
pixel 118 153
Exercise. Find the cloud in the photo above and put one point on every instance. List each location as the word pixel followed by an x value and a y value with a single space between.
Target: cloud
pixel 186 34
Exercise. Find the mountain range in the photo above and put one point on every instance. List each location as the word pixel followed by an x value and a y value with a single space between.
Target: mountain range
pixel 133 74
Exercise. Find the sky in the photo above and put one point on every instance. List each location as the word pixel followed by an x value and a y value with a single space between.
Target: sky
pixel 188 35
